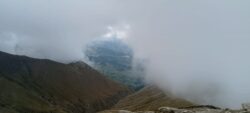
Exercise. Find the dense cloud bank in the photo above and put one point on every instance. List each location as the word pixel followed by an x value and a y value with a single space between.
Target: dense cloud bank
pixel 198 50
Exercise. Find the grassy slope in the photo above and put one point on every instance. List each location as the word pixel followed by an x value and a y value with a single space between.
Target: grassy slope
pixel 43 86
pixel 15 98
pixel 150 98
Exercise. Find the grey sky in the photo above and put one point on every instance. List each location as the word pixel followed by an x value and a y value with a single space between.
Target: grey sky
pixel 198 49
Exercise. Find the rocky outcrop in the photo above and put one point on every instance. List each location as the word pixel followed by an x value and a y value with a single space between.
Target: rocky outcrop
pixel 191 109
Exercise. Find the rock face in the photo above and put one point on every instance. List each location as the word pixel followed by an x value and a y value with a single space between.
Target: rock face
pixel 30 85
pixel 150 98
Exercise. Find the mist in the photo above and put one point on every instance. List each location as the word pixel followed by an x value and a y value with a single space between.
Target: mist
pixel 196 49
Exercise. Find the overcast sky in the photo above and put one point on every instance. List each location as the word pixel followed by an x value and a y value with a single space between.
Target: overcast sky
pixel 197 49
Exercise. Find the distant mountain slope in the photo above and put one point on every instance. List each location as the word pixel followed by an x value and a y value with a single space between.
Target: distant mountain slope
pixel 114 59
pixel 30 85
pixel 112 52
pixel 150 98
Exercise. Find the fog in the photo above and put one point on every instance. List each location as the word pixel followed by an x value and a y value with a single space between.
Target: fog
pixel 196 49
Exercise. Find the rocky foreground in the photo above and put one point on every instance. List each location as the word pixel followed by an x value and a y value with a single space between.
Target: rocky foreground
pixel 192 109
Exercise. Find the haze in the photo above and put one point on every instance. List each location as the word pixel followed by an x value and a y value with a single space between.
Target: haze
pixel 196 49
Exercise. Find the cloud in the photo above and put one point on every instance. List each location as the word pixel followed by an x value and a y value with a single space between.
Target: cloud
pixel 8 42
pixel 57 30
pixel 120 31
pixel 196 49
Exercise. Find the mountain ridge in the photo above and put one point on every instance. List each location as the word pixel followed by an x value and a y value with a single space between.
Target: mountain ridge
pixel 150 98
pixel 44 86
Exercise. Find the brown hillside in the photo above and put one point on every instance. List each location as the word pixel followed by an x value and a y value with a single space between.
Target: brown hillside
pixel 44 86
pixel 150 98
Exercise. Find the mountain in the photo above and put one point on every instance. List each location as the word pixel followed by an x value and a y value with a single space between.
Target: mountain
pixel 112 52
pixel 149 98
pixel 29 85
pixel 113 58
